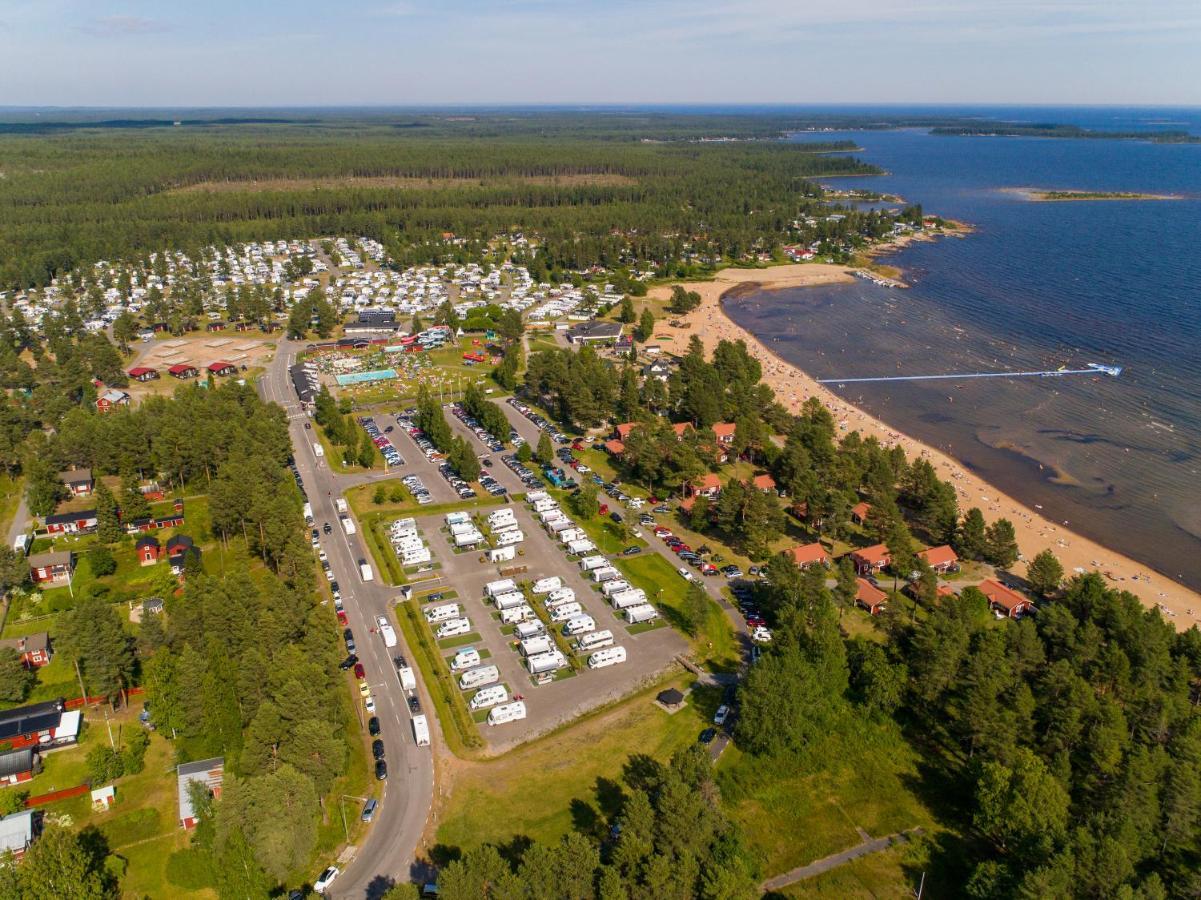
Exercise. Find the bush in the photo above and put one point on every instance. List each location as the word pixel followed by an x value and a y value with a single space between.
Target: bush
pixel 380 495
pixel 397 494
pixel 102 562
pixel 104 765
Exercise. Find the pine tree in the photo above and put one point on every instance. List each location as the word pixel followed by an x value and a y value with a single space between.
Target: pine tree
pixel 108 525
pixel 1045 573
pixel 1000 543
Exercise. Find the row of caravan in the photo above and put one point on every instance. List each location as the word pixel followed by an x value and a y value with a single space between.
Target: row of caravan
pixel 407 542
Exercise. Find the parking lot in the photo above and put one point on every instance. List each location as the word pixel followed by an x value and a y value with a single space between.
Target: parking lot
pixel 548 705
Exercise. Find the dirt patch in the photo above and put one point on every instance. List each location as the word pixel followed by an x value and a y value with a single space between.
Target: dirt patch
pixel 267 185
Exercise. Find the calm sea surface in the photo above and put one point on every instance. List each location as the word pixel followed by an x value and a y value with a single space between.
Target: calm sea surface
pixel 1037 286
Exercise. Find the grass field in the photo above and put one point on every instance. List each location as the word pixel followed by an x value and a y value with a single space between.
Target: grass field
pixel 798 810
pixel 10 495
pixel 566 781
pixel 887 875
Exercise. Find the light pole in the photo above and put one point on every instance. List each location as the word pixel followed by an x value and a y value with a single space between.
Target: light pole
pixel 342 809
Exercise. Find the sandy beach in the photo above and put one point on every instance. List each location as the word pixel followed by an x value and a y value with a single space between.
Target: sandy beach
pixel 1035 533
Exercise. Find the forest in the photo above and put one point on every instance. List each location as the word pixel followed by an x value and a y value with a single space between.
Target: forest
pixel 72 197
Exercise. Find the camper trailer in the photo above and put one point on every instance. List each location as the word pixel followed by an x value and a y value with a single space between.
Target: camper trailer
pixel 516 614
pixel 507 538
pixel 610 656
pixel 526 630
pixel 545 662
pixel 605 573
pixel 617 585
pixel 588 563
pixel 510 600
pixel 536 645
pixel 457 518
pixel 643 612
pixel 547 585
pixel 504 586
pixel 510 712
pixel 627 598
pixel 594 640
pixel 580 624
pixel 421 731
pixel 580 546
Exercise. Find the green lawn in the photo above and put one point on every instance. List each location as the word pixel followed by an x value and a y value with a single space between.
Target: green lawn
pixel 564 781
pixel 333 454
pixel 887 875
pixel 796 811
pixel 10 496
pixel 360 499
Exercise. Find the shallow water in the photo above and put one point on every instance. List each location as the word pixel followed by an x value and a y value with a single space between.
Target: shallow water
pixel 1037 286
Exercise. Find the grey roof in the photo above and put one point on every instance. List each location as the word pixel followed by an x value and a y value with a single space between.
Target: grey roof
pixel 209 772
pixel 50 558
pixel 75 476
pixel 16 831
pixel 595 331
pixel 39 640
pixel 15 762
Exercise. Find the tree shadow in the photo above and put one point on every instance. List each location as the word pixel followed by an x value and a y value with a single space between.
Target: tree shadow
pixel 585 819
pixel 643 772
pixel 610 797
pixel 377 887
pixel 513 850
pixel 442 855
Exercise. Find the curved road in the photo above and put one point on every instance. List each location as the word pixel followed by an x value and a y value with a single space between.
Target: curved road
pixel 387 853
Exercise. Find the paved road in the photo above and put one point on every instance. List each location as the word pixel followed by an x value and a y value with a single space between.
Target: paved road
pixel 387 854
pixel 835 860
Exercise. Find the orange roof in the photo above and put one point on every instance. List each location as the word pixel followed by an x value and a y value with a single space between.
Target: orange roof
pixel 624 429
pixel 999 595
pixel 708 481
pixel 615 447
pixel 764 482
pixel 687 503
pixel 940 556
pixel 868 594
pixel 680 427
pixel 860 510
pixel 724 430
pixel 874 555
pixel 805 554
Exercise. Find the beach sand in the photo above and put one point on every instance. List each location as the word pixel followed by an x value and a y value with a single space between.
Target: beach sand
pixel 1180 605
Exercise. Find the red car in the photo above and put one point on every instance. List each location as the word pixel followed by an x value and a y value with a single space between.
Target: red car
pixel 662 532
pixel 359 672
pixel 342 616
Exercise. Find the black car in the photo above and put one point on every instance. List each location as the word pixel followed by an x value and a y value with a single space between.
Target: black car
pixel 399 662
pixel 706 737
pixel 348 635
pixel 348 662
pixel 414 705
pixel 616 517
pixel 381 769
pixel 373 726
pixel 631 551
pixel 377 749
pixel 326 528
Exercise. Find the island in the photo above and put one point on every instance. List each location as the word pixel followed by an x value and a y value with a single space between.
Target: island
pixel 1042 195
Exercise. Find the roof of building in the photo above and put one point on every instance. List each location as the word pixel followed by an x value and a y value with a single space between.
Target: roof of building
pixel 179 543
pixel 861 510
pixel 804 554
pixel 30 643
pixel 51 558
pixel 219 365
pixel 724 429
pixel 209 772
pixel 28 719
pixel 670 697
pixel 615 447
pixel 939 556
pixel 62 518
pixel 868 594
pixel 180 368
pixel 16 762
pixel 75 476
pixel 680 427
pixel 595 331
pixel 148 540
pixel 1006 598
pixel 764 482
pixel 623 430
pixel 16 831
pixel 112 395
pixel 142 370
pixel 876 554
pixel 708 481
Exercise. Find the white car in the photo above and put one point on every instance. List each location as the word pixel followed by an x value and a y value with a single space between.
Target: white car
pixel 684 573
pixel 369 704
pixel 761 635
pixel 321 885
pixel 723 713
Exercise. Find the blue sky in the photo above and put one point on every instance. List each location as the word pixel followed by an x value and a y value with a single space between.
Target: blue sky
pixel 400 52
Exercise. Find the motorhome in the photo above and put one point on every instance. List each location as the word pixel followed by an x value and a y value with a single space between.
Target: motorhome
pixel 489 696
pixel 510 600
pixel 469 538
pixel 516 614
pixel 565 611
pixel 474 678
pixel 562 594
pixel 610 656
pixel 457 518
pixel 609 588
pixel 437 614
pixel 627 598
pixel 453 628
pixel 347 524
pixel 532 628
pixel 408 680
pixel 605 573
pixel 510 712
pixel 466 658
pixel 506 538
pixel 547 585
pixel 588 563
pixel 501 517
pixel 535 496
pixel 415 557
pixel 421 731
pixel 594 641
pixel 580 624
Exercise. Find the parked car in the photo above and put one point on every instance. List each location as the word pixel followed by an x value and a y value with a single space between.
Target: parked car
pixel 373 726
pixel 631 551
pixel 707 736
pixel 368 812
pixel 377 749
pixel 723 713
pixel 348 662
pixel 381 770
pixel 325 880
pixel 414 705
pixel 359 671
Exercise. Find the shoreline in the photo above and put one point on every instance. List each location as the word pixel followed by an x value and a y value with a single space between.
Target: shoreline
pixel 709 321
